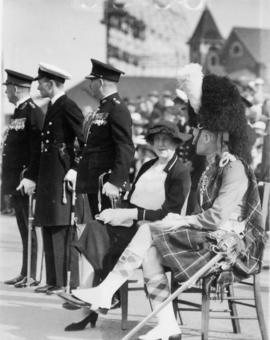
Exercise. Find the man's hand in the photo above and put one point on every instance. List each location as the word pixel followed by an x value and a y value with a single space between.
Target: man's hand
pixel 70 179
pixel 174 221
pixel 27 186
pixel 110 190
pixel 171 221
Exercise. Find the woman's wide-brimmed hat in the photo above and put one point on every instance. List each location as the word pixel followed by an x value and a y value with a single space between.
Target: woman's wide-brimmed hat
pixel 167 128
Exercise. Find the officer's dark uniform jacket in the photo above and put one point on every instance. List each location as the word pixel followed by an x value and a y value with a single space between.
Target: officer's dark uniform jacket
pixel 21 146
pixel 108 146
pixel 63 123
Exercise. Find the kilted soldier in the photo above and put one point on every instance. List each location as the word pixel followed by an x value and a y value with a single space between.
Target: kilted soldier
pixel 20 162
pixel 62 125
pixel 229 203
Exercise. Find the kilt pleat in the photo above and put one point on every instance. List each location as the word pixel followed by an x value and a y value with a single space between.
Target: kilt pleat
pixel 184 250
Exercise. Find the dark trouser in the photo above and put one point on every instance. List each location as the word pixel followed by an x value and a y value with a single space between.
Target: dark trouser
pixel 119 238
pixel 93 202
pixel 57 251
pixel 20 204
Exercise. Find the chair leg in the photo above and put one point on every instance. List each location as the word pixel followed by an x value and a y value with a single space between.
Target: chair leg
pixel 175 303
pixel 259 308
pixel 124 304
pixel 205 311
pixel 233 311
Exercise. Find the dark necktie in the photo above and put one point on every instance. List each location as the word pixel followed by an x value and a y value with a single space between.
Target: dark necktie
pixel 49 105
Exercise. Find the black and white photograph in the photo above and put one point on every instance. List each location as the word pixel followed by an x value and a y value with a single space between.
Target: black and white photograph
pixel 134 169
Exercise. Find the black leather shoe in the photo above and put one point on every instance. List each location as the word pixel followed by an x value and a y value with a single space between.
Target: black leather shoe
pixel 175 337
pixel 70 306
pixel 23 283
pixel 43 289
pixel 54 290
pixel 80 303
pixel 79 326
pixel 116 301
pixel 15 280
pixel 73 300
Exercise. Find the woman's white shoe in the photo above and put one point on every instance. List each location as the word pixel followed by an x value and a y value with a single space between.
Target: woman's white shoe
pixel 96 297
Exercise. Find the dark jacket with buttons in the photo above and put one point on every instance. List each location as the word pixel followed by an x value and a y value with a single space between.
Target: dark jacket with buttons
pixel 177 187
pixel 108 146
pixel 102 247
pixel 63 124
pixel 21 146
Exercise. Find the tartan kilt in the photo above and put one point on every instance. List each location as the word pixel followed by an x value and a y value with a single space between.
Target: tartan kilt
pixel 185 250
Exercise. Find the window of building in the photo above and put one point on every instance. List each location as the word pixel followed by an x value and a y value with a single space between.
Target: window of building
pixel 236 49
pixel 213 60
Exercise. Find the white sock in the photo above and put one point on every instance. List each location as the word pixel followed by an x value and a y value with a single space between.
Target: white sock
pixel 167 325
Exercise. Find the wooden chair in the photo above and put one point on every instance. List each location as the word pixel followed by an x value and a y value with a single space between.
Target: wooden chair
pixel 124 290
pixel 181 304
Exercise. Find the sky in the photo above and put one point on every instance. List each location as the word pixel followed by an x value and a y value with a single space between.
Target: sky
pixel 54 31
pixel 248 13
pixel 68 33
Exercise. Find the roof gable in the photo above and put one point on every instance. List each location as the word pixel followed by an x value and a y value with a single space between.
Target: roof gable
pixel 206 29
pixel 256 41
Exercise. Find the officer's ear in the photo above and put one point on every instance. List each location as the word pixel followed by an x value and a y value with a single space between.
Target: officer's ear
pixel 16 89
pixel 101 82
pixel 208 136
pixel 52 83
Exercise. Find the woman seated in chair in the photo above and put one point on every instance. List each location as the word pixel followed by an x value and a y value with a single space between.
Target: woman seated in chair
pixel 161 186
pixel 229 202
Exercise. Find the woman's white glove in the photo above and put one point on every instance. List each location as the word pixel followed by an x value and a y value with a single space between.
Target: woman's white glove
pixel 118 217
pixel 70 178
pixel 27 186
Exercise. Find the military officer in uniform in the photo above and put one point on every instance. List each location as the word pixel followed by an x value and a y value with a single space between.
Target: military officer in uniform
pixel 108 139
pixel 58 163
pixel 20 162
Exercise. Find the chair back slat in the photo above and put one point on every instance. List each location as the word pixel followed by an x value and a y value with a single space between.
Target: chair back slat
pixel 265 202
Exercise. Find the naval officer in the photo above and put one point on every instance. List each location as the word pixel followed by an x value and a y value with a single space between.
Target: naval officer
pixel 62 126
pixel 20 162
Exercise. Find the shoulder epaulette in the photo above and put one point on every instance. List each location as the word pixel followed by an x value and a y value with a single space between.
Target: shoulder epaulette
pixel 23 106
pixel 33 105
pixel 116 101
